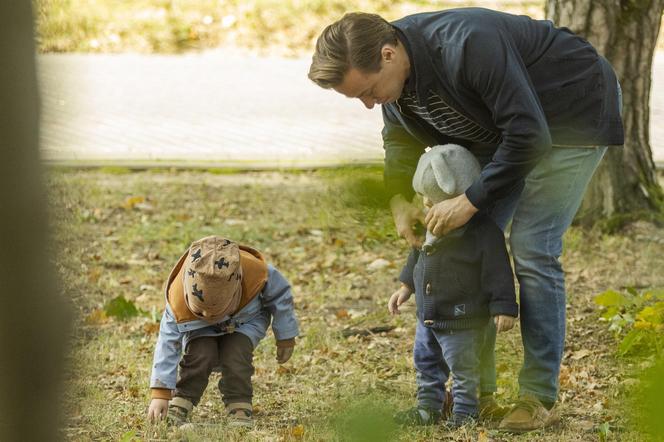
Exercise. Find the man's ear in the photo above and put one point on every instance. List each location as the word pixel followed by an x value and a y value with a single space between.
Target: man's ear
pixel 387 53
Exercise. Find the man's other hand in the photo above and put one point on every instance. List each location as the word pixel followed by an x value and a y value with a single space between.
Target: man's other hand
pixel 406 215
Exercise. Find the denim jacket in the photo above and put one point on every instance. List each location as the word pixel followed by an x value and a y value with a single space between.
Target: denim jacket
pixel 274 302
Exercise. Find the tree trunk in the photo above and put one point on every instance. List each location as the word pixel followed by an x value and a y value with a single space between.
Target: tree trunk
pixel 625 32
pixel 33 319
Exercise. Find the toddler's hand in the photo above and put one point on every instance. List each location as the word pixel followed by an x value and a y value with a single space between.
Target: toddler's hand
pixel 399 297
pixel 285 350
pixel 503 323
pixel 158 409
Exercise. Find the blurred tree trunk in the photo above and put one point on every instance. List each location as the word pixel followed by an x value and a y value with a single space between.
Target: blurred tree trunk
pixel 32 317
pixel 625 32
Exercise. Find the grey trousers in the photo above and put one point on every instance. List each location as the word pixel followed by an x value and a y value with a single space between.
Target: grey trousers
pixel 233 353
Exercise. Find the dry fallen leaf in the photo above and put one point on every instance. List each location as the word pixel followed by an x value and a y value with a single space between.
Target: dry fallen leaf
pixel 580 354
pixel 131 202
pixel 297 431
pixel 94 275
pixel 98 316
pixel 342 313
pixel 151 328
pixel 564 377
pixel 378 264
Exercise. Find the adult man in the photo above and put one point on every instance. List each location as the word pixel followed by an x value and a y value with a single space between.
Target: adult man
pixel 538 107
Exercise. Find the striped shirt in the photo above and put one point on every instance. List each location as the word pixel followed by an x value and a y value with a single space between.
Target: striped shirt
pixel 445 119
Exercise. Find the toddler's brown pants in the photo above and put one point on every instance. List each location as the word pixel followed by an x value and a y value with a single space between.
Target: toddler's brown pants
pixel 232 352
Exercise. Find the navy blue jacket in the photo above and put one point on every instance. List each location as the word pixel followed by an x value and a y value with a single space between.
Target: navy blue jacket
pixel 466 278
pixel 534 85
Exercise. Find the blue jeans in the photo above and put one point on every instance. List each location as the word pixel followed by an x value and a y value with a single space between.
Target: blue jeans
pixel 435 353
pixel 541 211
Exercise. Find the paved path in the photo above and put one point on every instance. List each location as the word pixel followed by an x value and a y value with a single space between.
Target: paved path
pixel 217 108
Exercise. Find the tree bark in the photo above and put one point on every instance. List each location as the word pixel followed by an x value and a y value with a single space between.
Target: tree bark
pixel 33 319
pixel 625 32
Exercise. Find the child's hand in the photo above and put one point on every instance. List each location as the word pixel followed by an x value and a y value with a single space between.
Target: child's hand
pixel 158 409
pixel 399 297
pixel 503 323
pixel 285 350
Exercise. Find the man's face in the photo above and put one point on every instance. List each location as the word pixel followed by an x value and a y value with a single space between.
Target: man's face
pixel 380 87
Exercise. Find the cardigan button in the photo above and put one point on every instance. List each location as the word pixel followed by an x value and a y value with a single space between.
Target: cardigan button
pixel 428 322
pixel 427 290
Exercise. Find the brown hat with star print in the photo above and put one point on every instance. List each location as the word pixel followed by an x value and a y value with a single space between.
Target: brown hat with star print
pixel 212 278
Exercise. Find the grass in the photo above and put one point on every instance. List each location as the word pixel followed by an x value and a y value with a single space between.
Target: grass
pixel 172 26
pixel 322 229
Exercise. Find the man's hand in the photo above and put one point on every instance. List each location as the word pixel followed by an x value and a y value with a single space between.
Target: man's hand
pixel 399 297
pixel 405 215
pixel 447 215
pixel 503 323
pixel 157 410
pixel 285 350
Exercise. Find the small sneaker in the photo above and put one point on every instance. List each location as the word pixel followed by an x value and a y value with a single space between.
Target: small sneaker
pixel 240 415
pixel 178 411
pixel 490 410
pixel 528 414
pixel 458 420
pixel 418 416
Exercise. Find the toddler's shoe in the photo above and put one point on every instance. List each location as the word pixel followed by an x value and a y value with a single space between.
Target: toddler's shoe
pixel 458 420
pixel 418 416
pixel 178 411
pixel 240 415
pixel 490 410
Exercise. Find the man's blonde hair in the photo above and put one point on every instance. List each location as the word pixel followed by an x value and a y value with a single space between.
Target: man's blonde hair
pixel 354 41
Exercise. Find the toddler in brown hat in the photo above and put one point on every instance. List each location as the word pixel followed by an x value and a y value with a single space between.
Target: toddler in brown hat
pixel 220 299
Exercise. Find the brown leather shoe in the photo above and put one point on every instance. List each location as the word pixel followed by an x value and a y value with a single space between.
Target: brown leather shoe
pixel 528 414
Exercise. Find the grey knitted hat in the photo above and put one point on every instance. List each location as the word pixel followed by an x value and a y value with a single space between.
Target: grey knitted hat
pixel 445 172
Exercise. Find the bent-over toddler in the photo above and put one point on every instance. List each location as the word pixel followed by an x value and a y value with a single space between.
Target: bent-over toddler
pixel 220 299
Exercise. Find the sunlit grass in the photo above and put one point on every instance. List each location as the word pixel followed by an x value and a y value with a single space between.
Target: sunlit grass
pixel 171 26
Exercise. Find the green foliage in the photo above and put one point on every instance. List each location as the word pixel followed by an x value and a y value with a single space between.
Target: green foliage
pixel 114 170
pixel 358 187
pixel 369 420
pixel 604 431
pixel 616 223
pixel 130 436
pixel 121 308
pixel 649 397
pixel 224 170
pixel 637 320
pixel 365 192
pixel 611 298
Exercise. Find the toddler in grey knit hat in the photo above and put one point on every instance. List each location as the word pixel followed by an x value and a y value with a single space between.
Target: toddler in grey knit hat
pixel 461 281
pixel 444 172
